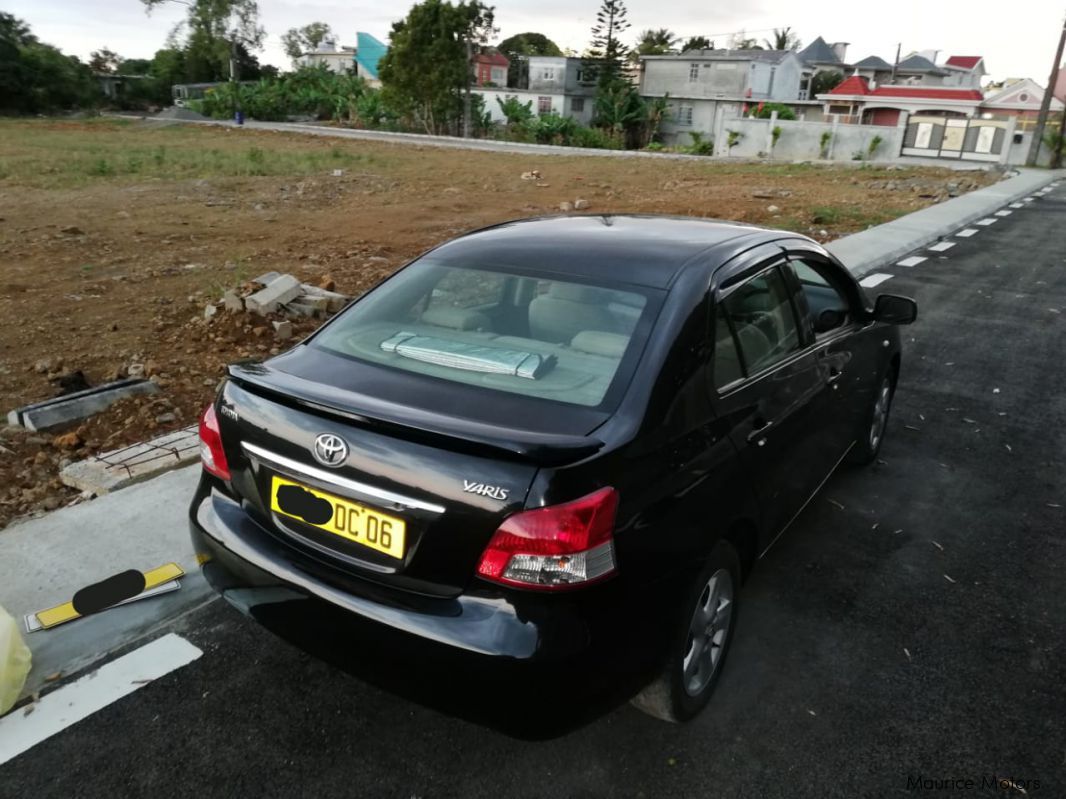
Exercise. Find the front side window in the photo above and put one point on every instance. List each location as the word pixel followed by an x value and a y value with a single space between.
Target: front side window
pixel 760 315
pixel 498 330
pixel 821 294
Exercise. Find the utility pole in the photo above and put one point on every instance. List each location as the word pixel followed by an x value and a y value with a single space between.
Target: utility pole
pixel 895 64
pixel 466 94
pixel 238 116
pixel 1041 120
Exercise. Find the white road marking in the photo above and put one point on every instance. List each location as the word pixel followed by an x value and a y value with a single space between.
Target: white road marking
pixel 876 279
pixel 95 691
pixel 1028 199
pixel 941 246
pixel 914 260
pixel 1004 212
pixel 987 221
pixel 1017 205
pixel 965 234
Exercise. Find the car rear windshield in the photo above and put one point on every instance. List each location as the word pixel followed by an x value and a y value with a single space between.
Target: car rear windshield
pixel 560 340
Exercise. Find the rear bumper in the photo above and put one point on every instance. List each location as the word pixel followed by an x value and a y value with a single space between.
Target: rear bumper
pixel 258 573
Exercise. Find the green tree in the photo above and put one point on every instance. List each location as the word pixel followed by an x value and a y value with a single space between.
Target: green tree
pixel 783 39
pixel 426 69
pixel 741 41
pixel 697 43
pixel 525 44
pixel 765 110
pixel 825 81
pixel 656 42
pixel 607 53
pixel 39 78
pixel 515 111
pixel 105 61
pixel 218 29
pixel 135 66
pixel 298 41
pixel 528 44
pixel 620 111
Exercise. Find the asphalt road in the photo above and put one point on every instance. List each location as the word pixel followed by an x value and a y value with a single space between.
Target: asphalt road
pixel 911 625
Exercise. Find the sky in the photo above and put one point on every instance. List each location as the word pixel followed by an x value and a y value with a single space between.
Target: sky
pixel 1013 44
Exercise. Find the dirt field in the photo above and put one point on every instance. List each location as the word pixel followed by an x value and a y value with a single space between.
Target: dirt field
pixel 114 235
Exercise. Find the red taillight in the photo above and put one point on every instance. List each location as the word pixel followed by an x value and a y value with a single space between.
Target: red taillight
pixel 554 547
pixel 212 455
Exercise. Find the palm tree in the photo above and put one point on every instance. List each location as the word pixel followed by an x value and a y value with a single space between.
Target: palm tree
pixel 697 43
pixel 656 42
pixel 784 39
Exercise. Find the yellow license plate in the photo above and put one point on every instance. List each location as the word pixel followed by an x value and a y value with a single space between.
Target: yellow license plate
pixel 341 517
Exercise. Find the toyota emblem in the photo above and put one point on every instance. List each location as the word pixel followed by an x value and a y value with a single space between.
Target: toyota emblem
pixel 330 450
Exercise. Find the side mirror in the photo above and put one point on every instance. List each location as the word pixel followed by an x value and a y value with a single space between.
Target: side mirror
pixel 829 319
pixel 895 310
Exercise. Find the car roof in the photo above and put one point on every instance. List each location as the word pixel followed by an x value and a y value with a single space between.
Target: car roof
pixel 627 248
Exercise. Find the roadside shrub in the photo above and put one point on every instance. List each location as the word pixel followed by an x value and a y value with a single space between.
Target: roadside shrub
pixel 775 134
pixel 552 129
pixel 700 145
pixel 655 147
pixel 767 109
pixel 734 138
pixel 595 138
pixel 875 142
pixel 823 148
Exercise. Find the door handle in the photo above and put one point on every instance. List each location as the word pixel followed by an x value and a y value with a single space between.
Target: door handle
pixel 834 376
pixel 759 432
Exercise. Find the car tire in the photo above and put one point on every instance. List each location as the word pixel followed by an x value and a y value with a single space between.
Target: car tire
pixel 871 435
pixel 696 658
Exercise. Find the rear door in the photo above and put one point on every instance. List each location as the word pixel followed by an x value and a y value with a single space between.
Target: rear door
pixel 768 384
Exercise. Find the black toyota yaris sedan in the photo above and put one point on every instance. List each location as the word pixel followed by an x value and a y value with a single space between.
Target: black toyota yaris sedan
pixel 551 441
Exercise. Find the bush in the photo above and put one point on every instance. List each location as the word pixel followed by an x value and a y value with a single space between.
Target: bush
pixel 700 145
pixel 552 129
pixel 596 139
pixel 309 91
pixel 783 111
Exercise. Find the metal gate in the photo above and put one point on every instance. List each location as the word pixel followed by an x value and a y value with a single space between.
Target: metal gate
pixel 956 137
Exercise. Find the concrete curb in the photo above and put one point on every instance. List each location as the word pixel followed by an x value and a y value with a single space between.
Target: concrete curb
pixel 879 246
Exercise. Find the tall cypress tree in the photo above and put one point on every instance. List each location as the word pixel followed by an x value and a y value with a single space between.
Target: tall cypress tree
pixel 608 52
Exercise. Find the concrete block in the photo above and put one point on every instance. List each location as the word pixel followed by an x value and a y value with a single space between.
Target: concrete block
pixel 283 330
pixel 110 471
pixel 303 309
pixel 336 299
pixel 267 278
pixel 231 301
pixel 321 303
pixel 285 289
pixel 79 405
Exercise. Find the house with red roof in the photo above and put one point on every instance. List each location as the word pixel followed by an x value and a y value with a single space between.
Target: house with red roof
pixel 1019 98
pixel 859 100
pixel 490 68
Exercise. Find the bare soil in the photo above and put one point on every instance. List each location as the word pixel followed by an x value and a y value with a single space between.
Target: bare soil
pixel 114 236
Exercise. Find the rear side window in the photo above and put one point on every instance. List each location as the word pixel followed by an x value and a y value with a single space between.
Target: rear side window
pixel 759 313
pixel 497 330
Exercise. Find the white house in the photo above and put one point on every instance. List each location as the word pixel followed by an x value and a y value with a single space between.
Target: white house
pixel 328 54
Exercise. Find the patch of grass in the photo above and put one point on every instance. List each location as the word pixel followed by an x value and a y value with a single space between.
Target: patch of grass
pixel 60 154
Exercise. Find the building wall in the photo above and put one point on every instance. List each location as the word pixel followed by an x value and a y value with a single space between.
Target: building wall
pixel 551 101
pixel 778 82
pixel 547 73
pixel 801 141
pixel 713 78
pixel 336 62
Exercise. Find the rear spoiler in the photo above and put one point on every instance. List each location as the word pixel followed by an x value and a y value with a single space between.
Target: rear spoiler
pixel 543 449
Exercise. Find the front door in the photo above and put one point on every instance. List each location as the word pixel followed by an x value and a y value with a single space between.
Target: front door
pixel 769 389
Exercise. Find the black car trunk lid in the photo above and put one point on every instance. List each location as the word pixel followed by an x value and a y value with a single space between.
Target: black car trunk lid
pixel 447 492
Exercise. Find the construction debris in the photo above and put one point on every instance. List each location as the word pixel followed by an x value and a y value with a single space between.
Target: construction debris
pixel 110 471
pixel 275 293
pixel 79 405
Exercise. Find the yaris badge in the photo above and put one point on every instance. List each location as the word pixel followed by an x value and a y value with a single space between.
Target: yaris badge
pixel 330 450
